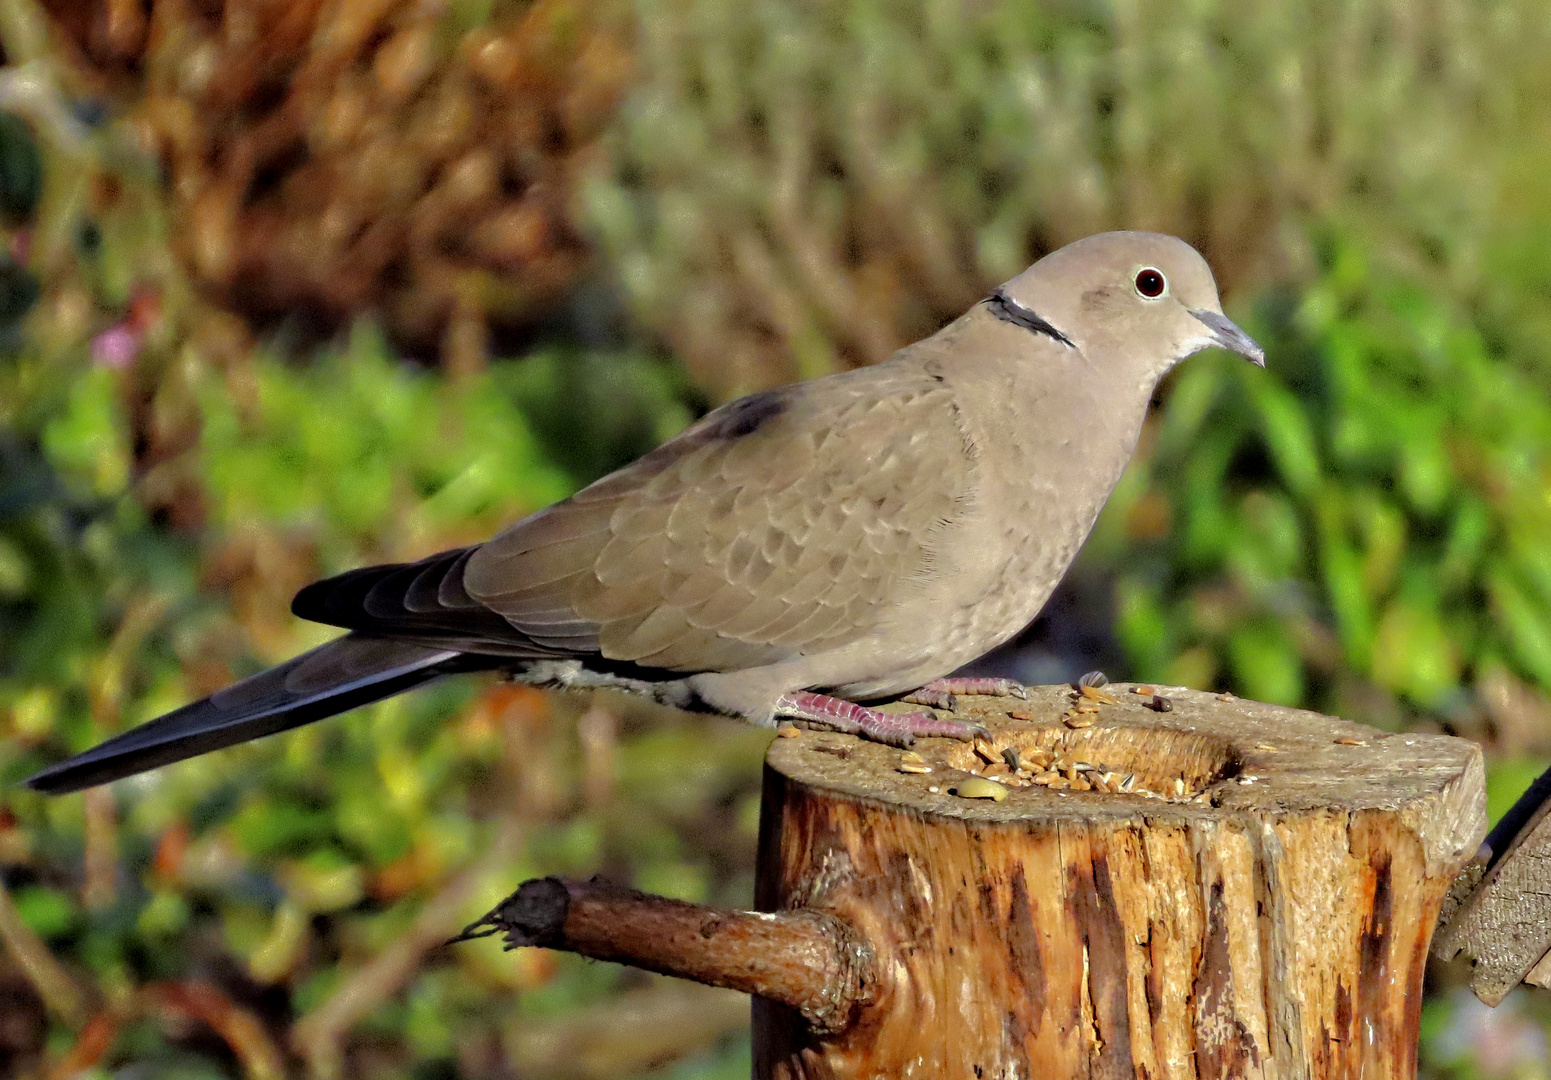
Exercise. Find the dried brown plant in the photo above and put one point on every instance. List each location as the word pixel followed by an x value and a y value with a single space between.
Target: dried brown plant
pixel 338 156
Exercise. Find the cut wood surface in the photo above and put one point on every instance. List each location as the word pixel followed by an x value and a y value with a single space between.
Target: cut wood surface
pixel 1258 903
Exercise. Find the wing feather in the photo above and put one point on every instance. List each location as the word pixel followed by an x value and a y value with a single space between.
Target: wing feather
pixel 774 525
pixel 781 524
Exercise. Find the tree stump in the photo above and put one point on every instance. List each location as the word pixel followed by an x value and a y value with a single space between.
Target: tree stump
pixel 1189 886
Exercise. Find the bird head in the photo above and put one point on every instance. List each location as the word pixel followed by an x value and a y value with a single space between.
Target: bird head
pixel 1141 302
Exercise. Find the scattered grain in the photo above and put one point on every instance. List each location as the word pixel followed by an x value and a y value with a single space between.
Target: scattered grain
pixel 980 788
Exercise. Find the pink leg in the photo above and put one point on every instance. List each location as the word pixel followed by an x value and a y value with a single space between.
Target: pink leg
pixel 895 729
pixel 941 693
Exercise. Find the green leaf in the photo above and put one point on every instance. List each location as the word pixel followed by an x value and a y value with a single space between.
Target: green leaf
pixel 1342 571
pixel 1526 625
pixel 1266 664
pixel 1288 434
pixel 1413 654
pixel 87 441
pixel 48 912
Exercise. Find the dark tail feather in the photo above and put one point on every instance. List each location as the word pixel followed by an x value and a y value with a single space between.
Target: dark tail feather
pixel 350 671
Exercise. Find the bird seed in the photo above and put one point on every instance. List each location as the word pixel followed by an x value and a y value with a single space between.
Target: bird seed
pixel 980 788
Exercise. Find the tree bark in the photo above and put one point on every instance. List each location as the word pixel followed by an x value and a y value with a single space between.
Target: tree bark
pixel 805 960
pixel 1116 883
pixel 1259 903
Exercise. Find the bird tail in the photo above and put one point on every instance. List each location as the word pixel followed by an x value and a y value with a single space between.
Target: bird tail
pixel 353 670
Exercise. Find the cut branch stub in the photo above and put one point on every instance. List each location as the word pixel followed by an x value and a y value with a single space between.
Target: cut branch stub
pixel 806 960
pixel 1267 915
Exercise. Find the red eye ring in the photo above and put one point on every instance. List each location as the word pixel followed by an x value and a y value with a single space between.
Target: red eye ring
pixel 1150 283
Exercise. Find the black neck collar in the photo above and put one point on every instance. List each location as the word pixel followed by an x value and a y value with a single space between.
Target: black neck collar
pixel 1009 310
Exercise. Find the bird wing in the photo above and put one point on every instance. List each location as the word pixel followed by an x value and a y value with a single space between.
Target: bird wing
pixel 423 601
pixel 776 526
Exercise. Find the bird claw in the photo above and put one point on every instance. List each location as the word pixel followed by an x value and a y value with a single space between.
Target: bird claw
pixel 937 699
pixel 892 729
pixel 944 693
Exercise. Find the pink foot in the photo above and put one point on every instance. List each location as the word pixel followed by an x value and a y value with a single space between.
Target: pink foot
pixel 895 729
pixel 942 693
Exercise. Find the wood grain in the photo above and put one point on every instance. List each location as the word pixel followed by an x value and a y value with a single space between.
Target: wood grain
pixel 1272 920
pixel 806 960
pixel 1502 925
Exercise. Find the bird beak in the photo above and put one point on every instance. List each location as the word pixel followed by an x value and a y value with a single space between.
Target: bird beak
pixel 1230 337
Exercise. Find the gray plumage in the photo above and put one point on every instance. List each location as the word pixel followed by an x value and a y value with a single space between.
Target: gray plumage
pixel 857 535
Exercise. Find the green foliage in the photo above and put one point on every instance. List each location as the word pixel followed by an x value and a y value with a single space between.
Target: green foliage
pixel 798 186
pixel 792 188
pixel 297 860
pixel 21 168
pixel 1372 508
pixel 359 446
pixel 595 412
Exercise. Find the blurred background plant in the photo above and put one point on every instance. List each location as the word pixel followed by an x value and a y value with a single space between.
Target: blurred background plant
pixel 293 285
pixel 322 159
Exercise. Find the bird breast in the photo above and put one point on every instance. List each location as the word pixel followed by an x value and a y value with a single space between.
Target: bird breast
pixel 1034 503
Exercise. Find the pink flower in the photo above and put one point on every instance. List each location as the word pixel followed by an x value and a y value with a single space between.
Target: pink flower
pixel 118 345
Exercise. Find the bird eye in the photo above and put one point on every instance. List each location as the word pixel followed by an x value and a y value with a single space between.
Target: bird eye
pixel 1150 283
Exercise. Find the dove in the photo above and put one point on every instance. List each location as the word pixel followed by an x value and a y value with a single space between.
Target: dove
pixel 795 554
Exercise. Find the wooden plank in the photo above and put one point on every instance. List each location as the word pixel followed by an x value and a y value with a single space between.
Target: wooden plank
pixel 1501 922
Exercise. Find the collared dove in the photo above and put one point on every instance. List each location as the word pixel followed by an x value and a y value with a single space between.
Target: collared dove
pixel 794 553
